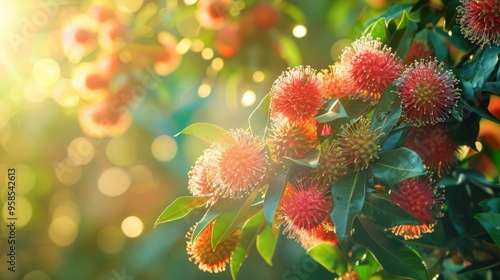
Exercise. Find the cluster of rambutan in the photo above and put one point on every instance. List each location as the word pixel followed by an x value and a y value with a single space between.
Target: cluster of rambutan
pixel 239 162
pixel 112 69
pixel 235 27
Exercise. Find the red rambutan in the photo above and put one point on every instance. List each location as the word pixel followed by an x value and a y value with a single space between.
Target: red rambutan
pixel 427 92
pixel 419 198
pixel 297 94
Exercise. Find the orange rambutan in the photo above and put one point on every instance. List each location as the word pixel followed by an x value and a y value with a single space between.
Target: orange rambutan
pixel 419 198
pixel 213 14
pixel 102 120
pixel 292 139
pixel 167 59
pixel 240 161
pixel 200 181
pixel 297 94
pixel 200 250
pixel 334 81
pixel 371 67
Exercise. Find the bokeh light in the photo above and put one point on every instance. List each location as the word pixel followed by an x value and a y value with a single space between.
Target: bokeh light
pixel 164 148
pixel 132 226
pixel 248 98
pixel 46 72
pixel 114 181
pixel 63 230
pixel 115 148
pixel 204 90
pixel 299 31
pixel 128 6
pixel 65 94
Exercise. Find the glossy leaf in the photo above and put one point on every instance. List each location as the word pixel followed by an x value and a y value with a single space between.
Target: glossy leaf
pixel 181 207
pixel 205 131
pixel 402 38
pixel 386 213
pixel 396 165
pixel 492 87
pixel 250 230
pixel 355 107
pixel 377 29
pixel 394 257
pixel 348 195
pixel 335 111
pixel 367 267
pixel 393 12
pixel 486 64
pixel 266 243
pixel 273 194
pixel 329 256
pixel 492 204
pixel 255 122
pixel 387 112
pixel 310 159
pixel 228 222
pixel 491 222
pixel 220 206
pixel 450 14
pixel 438 44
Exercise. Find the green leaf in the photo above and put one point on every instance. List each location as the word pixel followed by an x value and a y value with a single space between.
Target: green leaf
pixel 481 111
pixel 330 257
pixel 221 205
pixel 402 39
pixel 355 107
pixel 205 131
pixel 387 112
pixel 310 159
pixel 393 12
pixel 294 12
pixel 258 125
pixel 492 204
pixel 394 257
pixel 377 29
pixel 290 52
pixel 450 14
pixel 348 195
pixel 181 207
pixel 386 213
pixel 486 63
pixel 250 230
pixel 367 267
pixel 266 243
pixel 335 111
pixel 396 165
pixel 273 194
pixel 438 44
pixel 228 222
pixel 491 87
pixel 491 222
